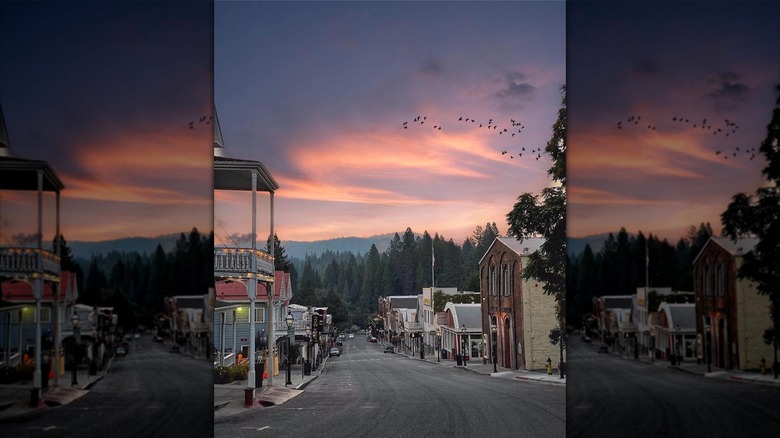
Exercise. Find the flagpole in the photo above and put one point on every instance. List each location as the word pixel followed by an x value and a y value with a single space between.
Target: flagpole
pixel 433 263
pixel 647 284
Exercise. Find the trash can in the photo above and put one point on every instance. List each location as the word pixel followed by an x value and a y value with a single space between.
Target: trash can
pixel 249 396
pixel 459 359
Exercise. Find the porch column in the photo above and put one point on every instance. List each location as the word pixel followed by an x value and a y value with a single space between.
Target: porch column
pixel 252 289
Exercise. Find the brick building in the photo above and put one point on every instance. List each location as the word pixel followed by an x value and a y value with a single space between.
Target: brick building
pixel 522 312
pixel 730 314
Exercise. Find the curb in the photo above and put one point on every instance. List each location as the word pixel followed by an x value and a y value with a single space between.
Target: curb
pixel 306 383
pixel 561 382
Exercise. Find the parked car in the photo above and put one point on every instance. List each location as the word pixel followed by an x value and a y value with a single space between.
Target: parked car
pixel 351 336
pixel 389 349
pixel 585 338
pixel 137 336
pixel 158 338
pixel 372 339
pixel 334 352
pixel 120 351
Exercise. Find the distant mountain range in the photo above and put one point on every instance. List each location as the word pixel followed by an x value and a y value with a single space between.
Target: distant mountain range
pixel 141 245
pixel 575 245
pixel 356 245
pixel 293 248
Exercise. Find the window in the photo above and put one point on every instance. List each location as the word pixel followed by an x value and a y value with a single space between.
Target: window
pixel 507 285
pixel 721 279
pixel 493 280
pixel 45 315
pixel 260 314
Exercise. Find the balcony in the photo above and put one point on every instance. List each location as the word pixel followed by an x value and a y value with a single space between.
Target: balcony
pixel 23 263
pixel 237 263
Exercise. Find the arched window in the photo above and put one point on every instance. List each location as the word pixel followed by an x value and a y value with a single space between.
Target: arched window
pixel 493 280
pixel 505 280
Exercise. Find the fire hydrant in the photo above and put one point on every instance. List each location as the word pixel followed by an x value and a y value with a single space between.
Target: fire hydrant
pixel 549 366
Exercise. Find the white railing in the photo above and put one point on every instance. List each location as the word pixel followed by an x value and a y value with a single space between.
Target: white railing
pixel 237 262
pixel 24 262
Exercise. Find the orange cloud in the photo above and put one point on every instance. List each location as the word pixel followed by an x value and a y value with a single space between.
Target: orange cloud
pixel 397 154
pixel 156 168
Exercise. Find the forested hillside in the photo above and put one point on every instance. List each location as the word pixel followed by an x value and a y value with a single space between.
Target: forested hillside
pixel 136 283
pixel 622 265
pixel 349 284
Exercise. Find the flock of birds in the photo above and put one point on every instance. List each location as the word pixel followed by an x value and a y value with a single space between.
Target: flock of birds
pixel 726 129
pixel 205 120
pixel 514 128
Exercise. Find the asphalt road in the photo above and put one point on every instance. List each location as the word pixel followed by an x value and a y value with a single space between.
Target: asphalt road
pixel 148 393
pixel 367 393
pixel 610 396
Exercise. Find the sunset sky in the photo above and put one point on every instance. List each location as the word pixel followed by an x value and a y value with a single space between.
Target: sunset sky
pixel 104 92
pixel 319 92
pixel 659 61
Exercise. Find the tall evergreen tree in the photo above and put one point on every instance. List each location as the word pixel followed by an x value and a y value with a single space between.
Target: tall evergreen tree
pixel 281 263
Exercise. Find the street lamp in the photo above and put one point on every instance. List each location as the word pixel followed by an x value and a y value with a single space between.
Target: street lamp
pixel 76 341
pixel 463 343
pixel 494 331
pixel 707 348
pixel 438 345
pixel 289 320
pixel 308 343
pixel 677 350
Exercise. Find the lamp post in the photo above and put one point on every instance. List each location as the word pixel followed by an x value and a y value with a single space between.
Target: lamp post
pixel 438 345
pixel 289 320
pixel 76 342
pixel 677 350
pixel 308 343
pixel 707 340
pixel 463 343
pixel 494 331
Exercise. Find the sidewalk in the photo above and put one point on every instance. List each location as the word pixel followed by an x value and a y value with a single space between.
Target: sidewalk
pixel 714 372
pixel 477 366
pixel 229 399
pixel 15 398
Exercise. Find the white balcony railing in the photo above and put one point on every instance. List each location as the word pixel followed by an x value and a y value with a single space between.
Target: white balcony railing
pixel 237 262
pixel 23 262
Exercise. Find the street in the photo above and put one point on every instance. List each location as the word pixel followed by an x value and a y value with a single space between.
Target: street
pixel 150 393
pixel 366 392
pixel 612 396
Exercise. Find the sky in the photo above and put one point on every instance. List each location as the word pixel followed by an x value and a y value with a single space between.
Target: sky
pixel 104 92
pixel 326 95
pixel 660 62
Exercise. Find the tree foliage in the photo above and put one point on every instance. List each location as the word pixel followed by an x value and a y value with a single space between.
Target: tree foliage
pixel 352 283
pixel 759 216
pixel 136 284
pixel 620 267
pixel 545 216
